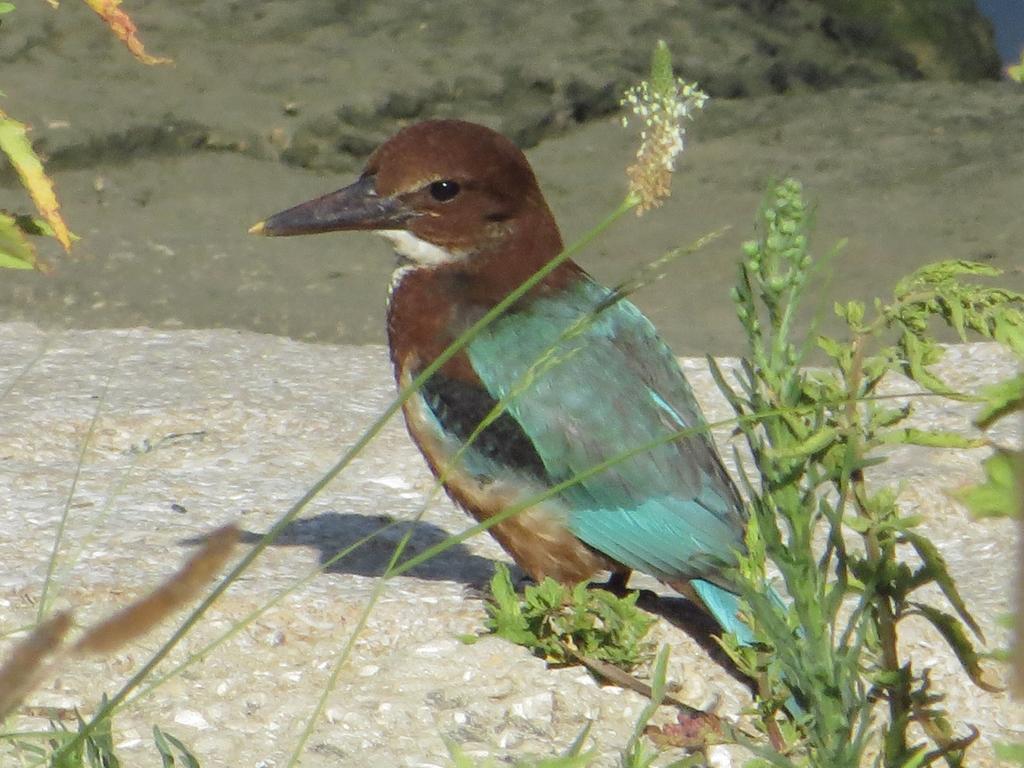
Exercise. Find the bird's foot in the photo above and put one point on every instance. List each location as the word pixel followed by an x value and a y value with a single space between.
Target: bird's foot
pixel 617 584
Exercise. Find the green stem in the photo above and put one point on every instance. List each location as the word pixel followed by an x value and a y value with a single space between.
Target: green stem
pixel 878 555
pixel 45 598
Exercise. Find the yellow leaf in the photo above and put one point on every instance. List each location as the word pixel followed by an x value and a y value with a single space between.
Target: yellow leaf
pixel 122 26
pixel 15 144
pixel 16 252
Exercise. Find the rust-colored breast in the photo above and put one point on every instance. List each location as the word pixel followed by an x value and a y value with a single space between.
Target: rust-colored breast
pixel 429 307
pixel 536 538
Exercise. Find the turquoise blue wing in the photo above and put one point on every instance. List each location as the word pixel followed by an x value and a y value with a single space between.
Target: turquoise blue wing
pixel 588 388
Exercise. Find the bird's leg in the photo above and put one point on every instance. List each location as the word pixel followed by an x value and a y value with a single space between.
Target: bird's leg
pixel 684 589
pixel 525 580
pixel 618 582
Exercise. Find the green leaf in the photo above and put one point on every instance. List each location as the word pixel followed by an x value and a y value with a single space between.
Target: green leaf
pixel 887 417
pixel 1012 752
pixel 999 495
pixel 32 225
pixel 1008 329
pixel 505 617
pixel 635 754
pixel 662 79
pixel 852 313
pixel 1001 399
pixel 723 386
pixel 956 319
pixel 10 261
pixel 936 570
pixel 16 252
pixel 931 438
pixel 919 355
pixel 502 591
pixel 576 748
pixel 166 743
pixel 658 674
pixel 547 595
pixel 163 748
pixel 952 632
pixel 939 290
pixel 816 443
pixel 917 759
pixel 99 744
pixel 888 678
pixel 6 7
pixel 943 273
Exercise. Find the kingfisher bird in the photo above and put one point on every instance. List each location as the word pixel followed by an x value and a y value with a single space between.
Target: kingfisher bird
pixel 465 215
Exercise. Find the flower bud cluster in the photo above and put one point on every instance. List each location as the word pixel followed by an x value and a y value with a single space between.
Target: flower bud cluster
pixel 661 111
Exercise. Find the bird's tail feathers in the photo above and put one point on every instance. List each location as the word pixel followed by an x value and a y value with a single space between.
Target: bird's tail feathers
pixel 724 606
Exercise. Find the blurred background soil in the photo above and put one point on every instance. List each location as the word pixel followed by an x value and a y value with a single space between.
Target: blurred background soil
pixel 892 114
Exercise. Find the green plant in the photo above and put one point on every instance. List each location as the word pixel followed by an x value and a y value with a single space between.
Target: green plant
pixel 95 748
pixel 559 623
pixel 814 436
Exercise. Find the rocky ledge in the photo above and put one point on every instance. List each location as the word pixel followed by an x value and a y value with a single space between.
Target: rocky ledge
pixel 151 439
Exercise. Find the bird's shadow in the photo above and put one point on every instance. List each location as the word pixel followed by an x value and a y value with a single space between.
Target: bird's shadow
pixel 696 623
pixel 332 533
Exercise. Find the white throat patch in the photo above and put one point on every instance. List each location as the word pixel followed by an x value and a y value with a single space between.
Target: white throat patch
pixel 415 254
pixel 418 251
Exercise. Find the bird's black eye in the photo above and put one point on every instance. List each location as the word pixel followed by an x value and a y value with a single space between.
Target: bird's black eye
pixel 444 190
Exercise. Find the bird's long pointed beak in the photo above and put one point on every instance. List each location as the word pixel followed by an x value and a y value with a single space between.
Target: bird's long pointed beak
pixel 357 206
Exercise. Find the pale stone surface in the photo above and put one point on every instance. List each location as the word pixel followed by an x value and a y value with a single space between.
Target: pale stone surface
pixel 179 432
